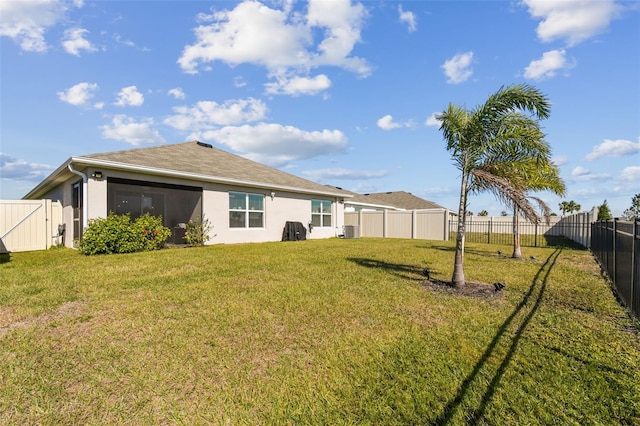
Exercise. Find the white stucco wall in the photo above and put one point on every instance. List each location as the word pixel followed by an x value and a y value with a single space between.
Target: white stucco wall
pixel 285 206
pixel 282 208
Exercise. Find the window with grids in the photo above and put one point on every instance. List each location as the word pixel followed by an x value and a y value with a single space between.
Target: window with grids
pixel 246 210
pixel 321 213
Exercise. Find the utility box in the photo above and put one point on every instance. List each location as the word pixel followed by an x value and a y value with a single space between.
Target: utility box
pixel 352 231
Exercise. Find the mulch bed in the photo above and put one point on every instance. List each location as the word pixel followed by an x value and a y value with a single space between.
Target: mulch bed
pixel 471 289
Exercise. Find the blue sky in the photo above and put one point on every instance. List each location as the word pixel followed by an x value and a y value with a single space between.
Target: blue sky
pixel 342 93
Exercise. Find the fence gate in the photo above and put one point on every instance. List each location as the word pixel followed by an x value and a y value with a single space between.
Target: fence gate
pixel 27 225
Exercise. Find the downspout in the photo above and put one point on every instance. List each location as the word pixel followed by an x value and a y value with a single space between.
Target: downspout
pixel 85 196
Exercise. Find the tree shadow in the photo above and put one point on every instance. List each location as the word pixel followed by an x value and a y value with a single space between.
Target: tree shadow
pixel 407 272
pixel 538 285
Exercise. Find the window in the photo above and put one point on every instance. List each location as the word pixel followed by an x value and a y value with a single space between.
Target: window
pixel 246 210
pixel 76 204
pixel 321 213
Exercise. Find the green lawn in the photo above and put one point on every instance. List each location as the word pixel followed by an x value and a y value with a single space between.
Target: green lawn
pixel 326 332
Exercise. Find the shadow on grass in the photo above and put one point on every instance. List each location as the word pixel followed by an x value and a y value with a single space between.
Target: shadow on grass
pixel 5 257
pixel 408 272
pixel 538 285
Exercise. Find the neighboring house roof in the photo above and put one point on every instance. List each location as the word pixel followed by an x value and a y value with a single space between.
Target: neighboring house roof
pixel 401 199
pixel 363 200
pixel 189 160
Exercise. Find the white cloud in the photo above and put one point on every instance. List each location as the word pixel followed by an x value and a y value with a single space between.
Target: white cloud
pixel 27 21
pixel 630 174
pixel 325 174
pixel 341 22
pixel 299 85
pixel 572 20
pixel 74 41
pixel 433 121
pixel 560 160
pixel 580 174
pixel 129 96
pixel 614 148
pixel 238 36
pixel 208 114
pixel 239 82
pixel 17 169
pixel 118 38
pixel 458 69
pixel 387 123
pixel 177 93
pixel 275 144
pixel 408 18
pixel 80 94
pixel 548 65
pixel 440 190
pixel 126 129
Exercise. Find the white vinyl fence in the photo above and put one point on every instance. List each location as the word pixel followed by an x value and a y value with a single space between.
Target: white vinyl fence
pixel 27 225
pixel 438 224
pixel 430 224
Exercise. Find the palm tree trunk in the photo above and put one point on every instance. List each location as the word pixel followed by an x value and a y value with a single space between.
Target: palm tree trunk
pixel 517 253
pixel 458 280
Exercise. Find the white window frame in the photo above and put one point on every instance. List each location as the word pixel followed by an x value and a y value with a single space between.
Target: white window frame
pixel 247 210
pixel 322 214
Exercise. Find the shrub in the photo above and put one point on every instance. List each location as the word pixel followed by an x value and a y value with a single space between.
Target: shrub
pixel 197 232
pixel 151 231
pixel 117 234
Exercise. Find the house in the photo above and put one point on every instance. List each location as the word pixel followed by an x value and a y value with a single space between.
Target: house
pixel 359 202
pixel 397 200
pixel 244 201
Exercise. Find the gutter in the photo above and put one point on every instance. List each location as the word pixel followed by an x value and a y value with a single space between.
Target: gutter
pixel 85 196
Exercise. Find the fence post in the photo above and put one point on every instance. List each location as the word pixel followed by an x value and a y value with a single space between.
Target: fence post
pixel 490 229
pixel 384 223
pixel 535 238
pixel 635 304
pixel 615 237
pixel 447 226
pixel 414 225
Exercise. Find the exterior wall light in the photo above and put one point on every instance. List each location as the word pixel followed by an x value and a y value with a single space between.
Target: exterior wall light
pixel 273 195
pixel 97 175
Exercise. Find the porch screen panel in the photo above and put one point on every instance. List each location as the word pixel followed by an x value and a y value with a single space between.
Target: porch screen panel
pixel 177 204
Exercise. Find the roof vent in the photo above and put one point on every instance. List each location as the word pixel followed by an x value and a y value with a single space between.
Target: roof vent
pixel 205 145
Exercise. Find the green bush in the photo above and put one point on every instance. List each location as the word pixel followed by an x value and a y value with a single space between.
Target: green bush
pixel 197 232
pixel 117 234
pixel 153 235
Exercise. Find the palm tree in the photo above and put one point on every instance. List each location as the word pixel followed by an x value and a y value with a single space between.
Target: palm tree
pixel 489 138
pixel 569 206
pixel 535 176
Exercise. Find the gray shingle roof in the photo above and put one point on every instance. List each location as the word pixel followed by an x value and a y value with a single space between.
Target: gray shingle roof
pixel 188 160
pixel 401 199
pixel 207 161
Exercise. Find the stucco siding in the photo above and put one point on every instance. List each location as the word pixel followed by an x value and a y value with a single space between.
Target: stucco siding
pixel 282 208
pixel 285 206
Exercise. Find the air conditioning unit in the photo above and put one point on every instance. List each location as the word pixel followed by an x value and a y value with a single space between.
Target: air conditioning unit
pixel 351 231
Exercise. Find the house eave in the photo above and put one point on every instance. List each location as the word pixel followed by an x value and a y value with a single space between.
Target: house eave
pixel 381 206
pixel 49 182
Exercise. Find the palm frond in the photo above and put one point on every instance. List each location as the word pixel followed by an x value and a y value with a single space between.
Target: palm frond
pixel 520 97
pixel 504 190
pixel 544 208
